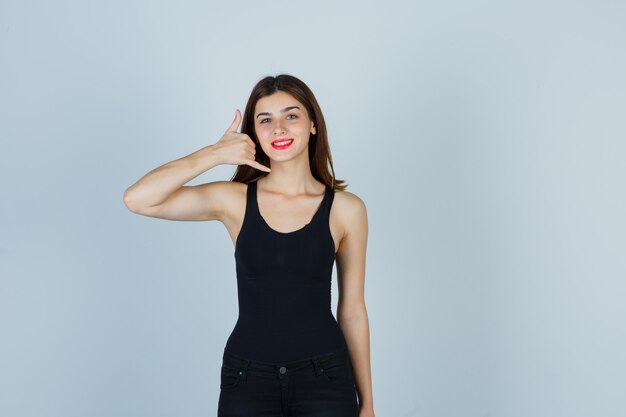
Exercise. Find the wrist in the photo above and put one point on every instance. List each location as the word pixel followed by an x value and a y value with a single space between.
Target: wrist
pixel 208 157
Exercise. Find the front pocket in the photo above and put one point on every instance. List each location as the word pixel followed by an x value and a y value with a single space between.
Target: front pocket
pixel 339 372
pixel 229 377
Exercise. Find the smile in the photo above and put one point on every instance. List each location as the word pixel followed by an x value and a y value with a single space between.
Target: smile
pixel 282 143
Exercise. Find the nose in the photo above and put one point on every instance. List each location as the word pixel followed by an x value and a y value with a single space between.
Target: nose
pixel 278 129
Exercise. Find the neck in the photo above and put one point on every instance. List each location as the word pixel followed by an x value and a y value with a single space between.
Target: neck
pixel 291 177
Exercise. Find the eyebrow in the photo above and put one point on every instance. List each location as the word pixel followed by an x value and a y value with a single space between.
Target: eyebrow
pixel 282 111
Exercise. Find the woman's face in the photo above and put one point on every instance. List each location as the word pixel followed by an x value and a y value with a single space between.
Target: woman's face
pixel 281 118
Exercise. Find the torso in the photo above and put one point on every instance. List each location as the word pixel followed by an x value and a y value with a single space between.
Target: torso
pixel 284 276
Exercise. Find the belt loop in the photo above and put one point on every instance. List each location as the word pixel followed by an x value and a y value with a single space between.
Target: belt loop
pixel 319 369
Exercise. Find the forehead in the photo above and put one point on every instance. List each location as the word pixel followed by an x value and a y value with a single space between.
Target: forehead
pixel 276 102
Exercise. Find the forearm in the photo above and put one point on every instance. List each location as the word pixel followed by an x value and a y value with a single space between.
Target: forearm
pixel 157 185
pixel 356 331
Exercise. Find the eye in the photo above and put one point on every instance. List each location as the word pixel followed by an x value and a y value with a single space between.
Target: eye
pixel 295 116
pixel 263 120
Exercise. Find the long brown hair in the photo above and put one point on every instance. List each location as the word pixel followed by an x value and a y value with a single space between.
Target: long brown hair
pixel 320 159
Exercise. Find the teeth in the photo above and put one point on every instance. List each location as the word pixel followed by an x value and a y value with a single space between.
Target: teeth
pixel 282 143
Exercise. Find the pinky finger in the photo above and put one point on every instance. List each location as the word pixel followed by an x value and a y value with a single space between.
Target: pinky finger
pixel 260 166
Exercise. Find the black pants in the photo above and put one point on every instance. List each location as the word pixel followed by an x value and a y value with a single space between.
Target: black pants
pixel 320 386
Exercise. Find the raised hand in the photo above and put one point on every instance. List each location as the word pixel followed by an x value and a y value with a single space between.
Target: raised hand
pixel 237 148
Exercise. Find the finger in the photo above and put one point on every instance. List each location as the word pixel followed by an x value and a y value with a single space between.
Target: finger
pixel 261 167
pixel 235 124
pixel 250 156
pixel 250 142
pixel 251 147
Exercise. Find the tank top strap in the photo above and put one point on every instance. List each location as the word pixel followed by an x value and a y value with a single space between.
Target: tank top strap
pixel 251 193
pixel 329 195
pixel 252 207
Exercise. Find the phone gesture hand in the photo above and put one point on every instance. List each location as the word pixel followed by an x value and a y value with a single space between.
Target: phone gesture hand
pixel 237 148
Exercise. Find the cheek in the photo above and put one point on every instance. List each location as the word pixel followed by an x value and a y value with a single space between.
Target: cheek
pixel 262 131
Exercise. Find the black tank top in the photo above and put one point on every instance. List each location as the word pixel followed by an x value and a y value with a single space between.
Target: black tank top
pixel 284 288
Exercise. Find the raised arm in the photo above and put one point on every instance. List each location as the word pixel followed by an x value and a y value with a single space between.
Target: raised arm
pixel 161 192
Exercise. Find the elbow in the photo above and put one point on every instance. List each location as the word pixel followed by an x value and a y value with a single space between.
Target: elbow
pixel 351 314
pixel 128 202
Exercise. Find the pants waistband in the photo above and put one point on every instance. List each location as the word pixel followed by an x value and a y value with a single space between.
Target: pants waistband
pixel 246 364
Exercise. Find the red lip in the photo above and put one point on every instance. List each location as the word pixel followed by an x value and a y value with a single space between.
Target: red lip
pixel 281 140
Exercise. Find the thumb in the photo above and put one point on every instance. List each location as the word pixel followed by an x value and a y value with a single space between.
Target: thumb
pixel 235 124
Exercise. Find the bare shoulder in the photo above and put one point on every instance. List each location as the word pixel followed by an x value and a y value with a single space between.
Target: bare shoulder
pixel 350 210
pixel 349 201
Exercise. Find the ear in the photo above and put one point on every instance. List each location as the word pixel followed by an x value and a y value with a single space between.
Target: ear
pixel 313 130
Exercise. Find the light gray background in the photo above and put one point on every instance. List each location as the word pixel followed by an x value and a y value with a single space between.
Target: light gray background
pixel 486 139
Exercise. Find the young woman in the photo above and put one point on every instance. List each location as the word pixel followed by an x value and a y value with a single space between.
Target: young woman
pixel 289 220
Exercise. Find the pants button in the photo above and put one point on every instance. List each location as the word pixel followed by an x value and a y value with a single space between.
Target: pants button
pixel 283 369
